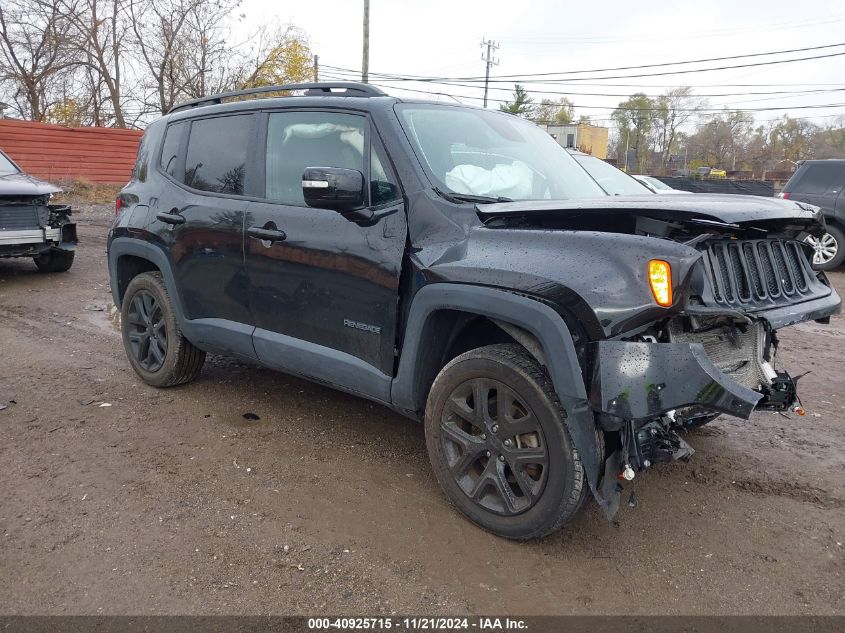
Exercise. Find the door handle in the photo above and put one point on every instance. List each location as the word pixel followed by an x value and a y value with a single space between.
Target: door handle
pixel 171 217
pixel 269 235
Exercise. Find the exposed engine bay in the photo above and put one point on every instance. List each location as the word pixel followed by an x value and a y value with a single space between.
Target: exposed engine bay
pixel 30 225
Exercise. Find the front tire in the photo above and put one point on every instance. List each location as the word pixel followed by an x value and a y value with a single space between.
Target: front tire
pixel 829 249
pixel 54 261
pixel 498 444
pixel 157 350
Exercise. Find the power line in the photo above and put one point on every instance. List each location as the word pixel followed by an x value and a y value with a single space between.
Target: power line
pixel 680 63
pixel 619 94
pixel 713 110
pixel 523 77
pixel 636 85
pixel 594 119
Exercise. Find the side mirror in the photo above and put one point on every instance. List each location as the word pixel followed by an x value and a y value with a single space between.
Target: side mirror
pixel 333 188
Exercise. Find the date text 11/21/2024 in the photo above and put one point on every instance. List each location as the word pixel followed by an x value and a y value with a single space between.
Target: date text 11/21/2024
pixel 418 623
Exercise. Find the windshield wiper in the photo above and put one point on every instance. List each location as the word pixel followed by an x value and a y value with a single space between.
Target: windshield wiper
pixel 468 197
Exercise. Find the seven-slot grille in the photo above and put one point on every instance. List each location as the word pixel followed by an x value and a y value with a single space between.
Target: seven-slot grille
pixel 760 272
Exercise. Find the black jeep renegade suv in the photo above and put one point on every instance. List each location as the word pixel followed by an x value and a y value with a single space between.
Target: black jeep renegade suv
pixel 458 266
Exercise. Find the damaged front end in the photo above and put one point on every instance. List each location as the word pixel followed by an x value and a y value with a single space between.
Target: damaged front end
pixel 31 226
pixel 688 293
pixel 714 355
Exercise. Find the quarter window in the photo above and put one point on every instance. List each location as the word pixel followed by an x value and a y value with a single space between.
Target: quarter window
pixel 216 159
pixel 297 140
pixel 383 184
pixel 170 149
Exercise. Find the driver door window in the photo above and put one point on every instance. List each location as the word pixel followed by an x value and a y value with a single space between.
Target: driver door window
pixel 297 140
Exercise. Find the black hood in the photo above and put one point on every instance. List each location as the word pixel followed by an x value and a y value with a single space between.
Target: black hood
pixel 23 185
pixel 730 209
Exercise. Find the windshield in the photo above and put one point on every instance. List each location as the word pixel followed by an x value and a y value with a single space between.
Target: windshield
pixel 6 166
pixel 614 181
pixel 482 153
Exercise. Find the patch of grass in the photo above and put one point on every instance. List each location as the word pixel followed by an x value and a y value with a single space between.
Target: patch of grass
pixel 86 192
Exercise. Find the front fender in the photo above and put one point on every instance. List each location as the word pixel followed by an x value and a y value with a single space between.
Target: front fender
pixel 533 316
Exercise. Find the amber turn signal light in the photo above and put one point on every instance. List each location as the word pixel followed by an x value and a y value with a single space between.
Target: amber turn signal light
pixel 660 280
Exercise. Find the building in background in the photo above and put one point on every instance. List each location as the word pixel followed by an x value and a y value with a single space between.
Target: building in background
pixel 588 138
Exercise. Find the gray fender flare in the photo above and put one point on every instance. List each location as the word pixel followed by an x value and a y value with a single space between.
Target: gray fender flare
pixel 531 315
pixel 121 246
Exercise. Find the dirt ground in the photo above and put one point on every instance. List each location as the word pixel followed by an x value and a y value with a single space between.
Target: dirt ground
pixel 170 502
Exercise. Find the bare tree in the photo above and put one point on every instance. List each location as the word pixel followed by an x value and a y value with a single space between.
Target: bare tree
pixel 117 62
pixel 101 31
pixel 34 38
pixel 673 111
pixel 168 33
pixel 721 139
pixel 561 112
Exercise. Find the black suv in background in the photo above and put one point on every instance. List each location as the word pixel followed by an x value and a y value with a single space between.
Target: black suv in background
pixel 457 265
pixel 822 183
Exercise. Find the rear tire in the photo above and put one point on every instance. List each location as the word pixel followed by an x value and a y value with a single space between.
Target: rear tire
pixel 54 261
pixel 154 344
pixel 532 481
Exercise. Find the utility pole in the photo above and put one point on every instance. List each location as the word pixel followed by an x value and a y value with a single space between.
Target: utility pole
pixel 489 61
pixel 316 68
pixel 365 63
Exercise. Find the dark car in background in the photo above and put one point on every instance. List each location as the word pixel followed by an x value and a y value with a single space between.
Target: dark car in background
pixel 29 225
pixel 822 182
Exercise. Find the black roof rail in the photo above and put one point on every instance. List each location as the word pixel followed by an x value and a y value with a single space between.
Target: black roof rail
pixel 349 88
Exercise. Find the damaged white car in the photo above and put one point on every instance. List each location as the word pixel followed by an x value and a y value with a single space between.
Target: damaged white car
pixel 29 225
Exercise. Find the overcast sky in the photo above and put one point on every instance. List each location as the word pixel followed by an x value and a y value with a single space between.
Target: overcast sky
pixel 442 38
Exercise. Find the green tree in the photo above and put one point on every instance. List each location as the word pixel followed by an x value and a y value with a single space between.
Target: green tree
pixel 792 139
pixel 67 112
pixel 287 60
pixel 521 104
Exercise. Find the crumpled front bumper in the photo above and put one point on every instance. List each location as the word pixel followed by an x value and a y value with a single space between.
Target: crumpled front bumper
pixel 636 381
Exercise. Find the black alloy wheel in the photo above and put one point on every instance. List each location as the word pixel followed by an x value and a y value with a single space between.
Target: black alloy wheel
pixel 497 440
pixel 494 446
pixel 147 331
pixel 157 349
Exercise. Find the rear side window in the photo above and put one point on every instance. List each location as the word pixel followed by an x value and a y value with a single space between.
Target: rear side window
pixel 139 172
pixel 169 160
pixel 216 158
pixel 819 178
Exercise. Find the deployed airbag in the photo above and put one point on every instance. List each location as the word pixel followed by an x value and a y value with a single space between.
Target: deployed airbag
pixel 509 181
